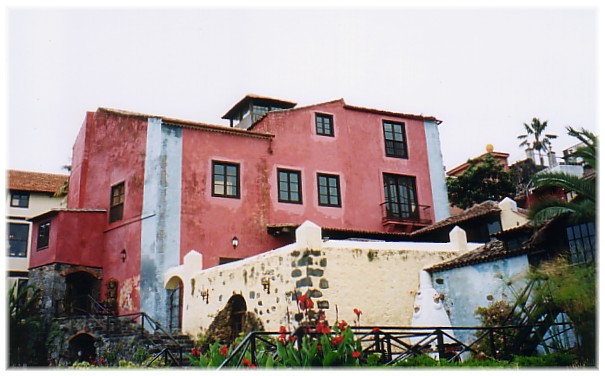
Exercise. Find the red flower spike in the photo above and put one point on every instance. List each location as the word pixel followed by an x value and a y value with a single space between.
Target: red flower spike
pixel 356 354
pixel 342 325
pixel 283 330
pixel 248 363
pixel 376 330
pixel 357 312
pixel 337 340
pixel 224 351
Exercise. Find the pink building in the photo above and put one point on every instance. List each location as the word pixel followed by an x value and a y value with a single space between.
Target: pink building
pixel 145 190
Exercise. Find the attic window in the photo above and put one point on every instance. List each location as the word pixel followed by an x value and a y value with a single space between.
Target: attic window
pixel 324 125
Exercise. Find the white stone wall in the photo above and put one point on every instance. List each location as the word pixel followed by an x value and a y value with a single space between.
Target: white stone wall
pixel 378 278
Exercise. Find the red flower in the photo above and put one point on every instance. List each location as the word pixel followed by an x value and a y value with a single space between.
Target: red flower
pixel 248 363
pixel 283 330
pixel 319 348
pixel 337 340
pixel 356 354
pixel 357 312
pixel 196 352
pixel 293 338
pixel 322 328
pixel 224 351
pixel 376 330
pixel 305 302
pixel 342 325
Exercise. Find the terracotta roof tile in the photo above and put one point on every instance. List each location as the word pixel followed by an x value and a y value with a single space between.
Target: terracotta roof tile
pixel 492 251
pixel 34 181
pixel 477 210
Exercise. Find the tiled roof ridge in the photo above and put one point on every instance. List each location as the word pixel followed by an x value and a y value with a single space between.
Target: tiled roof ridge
pixel 34 181
pixel 474 211
pixel 492 251
pixel 188 123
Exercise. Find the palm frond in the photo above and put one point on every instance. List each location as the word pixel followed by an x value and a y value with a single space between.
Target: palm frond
pixel 585 189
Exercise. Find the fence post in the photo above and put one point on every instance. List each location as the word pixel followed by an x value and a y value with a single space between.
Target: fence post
pixel 440 344
pixel 253 350
pixel 492 344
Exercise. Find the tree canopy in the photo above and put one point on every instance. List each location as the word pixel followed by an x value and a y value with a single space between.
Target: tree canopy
pixel 485 179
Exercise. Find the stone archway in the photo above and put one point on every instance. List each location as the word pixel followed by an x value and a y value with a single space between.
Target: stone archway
pixel 237 315
pixel 82 347
pixel 80 287
pixel 229 322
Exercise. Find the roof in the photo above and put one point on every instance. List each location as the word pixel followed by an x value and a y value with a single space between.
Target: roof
pixel 356 108
pixel 463 167
pixel 492 251
pixel 249 97
pixel 477 210
pixel 55 211
pixel 290 227
pixel 189 124
pixel 391 113
pixel 34 181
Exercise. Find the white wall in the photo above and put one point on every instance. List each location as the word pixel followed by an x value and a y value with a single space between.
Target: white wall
pixel 378 278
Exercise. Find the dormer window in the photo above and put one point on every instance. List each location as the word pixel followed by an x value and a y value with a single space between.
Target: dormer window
pixel 324 125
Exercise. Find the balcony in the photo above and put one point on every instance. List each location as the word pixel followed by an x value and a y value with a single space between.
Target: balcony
pixel 399 215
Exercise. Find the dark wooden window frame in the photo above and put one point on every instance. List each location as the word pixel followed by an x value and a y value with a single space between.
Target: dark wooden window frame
pixel 581 242
pixel 43 235
pixel 225 176
pixel 395 139
pixel 20 241
pixel 116 203
pixel 324 124
pixel 403 203
pixel 19 199
pixel 292 187
pixel 332 190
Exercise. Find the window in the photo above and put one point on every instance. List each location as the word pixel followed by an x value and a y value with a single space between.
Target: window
pixel 116 210
pixel 581 240
pixel 329 190
pixel 18 234
pixel 43 235
pixel 290 189
pixel 20 199
pixel 394 139
pixel 225 179
pixel 400 196
pixel 324 125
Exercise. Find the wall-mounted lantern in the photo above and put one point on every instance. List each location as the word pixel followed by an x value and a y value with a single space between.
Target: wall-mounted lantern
pixel 205 295
pixel 123 255
pixel 235 242
pixel 266 282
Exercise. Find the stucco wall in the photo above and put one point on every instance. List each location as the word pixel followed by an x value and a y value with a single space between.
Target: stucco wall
pixel 467 288
pixel 379 278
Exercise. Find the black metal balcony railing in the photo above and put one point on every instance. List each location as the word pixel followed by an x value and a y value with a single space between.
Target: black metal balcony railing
pixel 405 213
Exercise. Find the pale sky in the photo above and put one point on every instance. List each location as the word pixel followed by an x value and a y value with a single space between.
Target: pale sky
pixel 482 71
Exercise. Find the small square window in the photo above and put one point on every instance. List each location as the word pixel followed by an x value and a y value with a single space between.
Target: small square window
pixel 225 180
pixel 329 190
pixel 43 235
pixel 395 139
pixel 116 210
pixel 324 125
pixel 20 199
pixel 290 186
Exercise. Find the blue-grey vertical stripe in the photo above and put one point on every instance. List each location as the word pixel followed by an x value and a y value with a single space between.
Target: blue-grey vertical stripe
pixel 436 170
pixel 161 228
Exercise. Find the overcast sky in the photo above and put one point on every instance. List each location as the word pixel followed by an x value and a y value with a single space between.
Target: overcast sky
pixel 483 72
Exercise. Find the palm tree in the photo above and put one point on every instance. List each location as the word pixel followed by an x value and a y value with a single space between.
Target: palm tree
pixel 533 137
pixel 583 205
